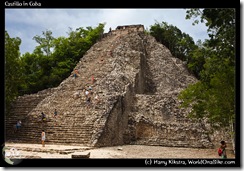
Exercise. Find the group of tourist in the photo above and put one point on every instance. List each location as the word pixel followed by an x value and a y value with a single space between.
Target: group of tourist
pixel 90 96
pixel 44 118
pixel 88 91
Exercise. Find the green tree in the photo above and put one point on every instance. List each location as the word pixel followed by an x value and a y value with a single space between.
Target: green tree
pixel 213 97
pixel 196 58
pixel 180 44
pixel 45 42
pixel 12 69
pixel 82 39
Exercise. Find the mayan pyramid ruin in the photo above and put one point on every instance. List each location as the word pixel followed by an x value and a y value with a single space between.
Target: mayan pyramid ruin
pixel 137 81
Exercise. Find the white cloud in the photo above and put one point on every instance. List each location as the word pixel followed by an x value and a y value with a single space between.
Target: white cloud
pixel 148 17
pixel 26 23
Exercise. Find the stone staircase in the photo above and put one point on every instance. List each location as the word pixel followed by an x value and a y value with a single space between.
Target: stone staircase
pixel 22 106
pixel 75 123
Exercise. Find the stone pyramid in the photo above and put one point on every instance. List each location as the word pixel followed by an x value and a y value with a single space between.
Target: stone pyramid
pixel 137 81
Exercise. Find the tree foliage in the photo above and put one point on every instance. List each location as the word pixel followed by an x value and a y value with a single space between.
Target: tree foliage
pixel 213 96
pixel 12 69
pixel 45 42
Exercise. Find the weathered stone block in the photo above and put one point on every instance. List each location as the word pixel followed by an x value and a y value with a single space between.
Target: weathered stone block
pixel 81 155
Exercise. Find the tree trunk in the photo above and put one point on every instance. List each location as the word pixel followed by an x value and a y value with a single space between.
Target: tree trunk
pixel 232 134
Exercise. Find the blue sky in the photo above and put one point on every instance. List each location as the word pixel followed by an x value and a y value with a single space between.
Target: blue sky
pixel 27 23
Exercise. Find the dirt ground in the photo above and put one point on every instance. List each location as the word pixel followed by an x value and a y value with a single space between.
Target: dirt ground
pixel 125 151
